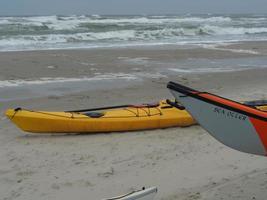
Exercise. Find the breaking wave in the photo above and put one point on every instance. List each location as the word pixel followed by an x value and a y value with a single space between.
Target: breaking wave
pixel 46 32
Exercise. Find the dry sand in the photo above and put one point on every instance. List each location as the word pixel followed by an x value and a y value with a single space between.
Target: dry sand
pixel 184 163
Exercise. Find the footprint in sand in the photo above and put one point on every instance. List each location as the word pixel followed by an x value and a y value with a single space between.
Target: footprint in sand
pixel 106 173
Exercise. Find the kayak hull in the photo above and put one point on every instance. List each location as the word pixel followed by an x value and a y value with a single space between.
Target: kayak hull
pixel 144 194
pixel 127 119
pixel 236 125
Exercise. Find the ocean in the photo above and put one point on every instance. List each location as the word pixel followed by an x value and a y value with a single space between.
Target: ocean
pixel 94 31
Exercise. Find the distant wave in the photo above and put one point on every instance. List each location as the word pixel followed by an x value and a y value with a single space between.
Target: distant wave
pixel 46 32
pixel 48 80
pixel 99 77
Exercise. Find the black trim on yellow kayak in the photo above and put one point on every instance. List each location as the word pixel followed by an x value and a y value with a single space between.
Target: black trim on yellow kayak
pixel 100 108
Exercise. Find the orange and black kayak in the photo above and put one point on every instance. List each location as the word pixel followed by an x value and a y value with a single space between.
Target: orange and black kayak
pixel 241 126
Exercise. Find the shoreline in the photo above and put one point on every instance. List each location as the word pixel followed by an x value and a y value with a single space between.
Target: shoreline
pixel 150 46
pixel 52 72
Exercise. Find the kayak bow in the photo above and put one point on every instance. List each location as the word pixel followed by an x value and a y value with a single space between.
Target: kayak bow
pixel 239 126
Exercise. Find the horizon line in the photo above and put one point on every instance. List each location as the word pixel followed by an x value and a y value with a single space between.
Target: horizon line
pixel 152 14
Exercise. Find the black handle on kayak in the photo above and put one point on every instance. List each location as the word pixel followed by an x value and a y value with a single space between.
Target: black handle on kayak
pixel 100 108
pixel 255 103
pixel 175 104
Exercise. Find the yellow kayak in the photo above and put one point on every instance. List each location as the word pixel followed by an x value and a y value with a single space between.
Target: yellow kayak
pixel 162 115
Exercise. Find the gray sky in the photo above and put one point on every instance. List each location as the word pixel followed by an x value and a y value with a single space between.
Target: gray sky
pixel 50 7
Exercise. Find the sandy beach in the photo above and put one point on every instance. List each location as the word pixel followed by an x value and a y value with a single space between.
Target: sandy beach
pixel 184 163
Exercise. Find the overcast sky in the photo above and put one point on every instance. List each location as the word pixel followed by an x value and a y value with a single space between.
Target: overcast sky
pixel 51 7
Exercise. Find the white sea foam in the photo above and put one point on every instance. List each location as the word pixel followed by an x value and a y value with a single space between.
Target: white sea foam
pixel 150 75
pixel 97 77
pixel 237 50
pixel 206 70
pixel 216 30
pixel 122 35
pixel 223 47
pixel 49 80
pixel 55 32
pixel 158 20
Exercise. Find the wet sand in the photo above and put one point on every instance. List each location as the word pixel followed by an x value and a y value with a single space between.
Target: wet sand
pixel 184 163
